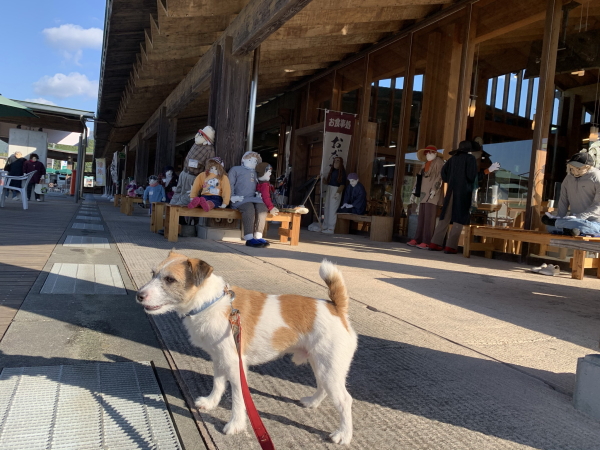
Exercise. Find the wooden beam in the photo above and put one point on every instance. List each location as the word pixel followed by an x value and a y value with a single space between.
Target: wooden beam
pixel 512 27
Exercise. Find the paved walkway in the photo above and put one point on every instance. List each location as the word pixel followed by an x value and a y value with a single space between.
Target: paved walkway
pixel 453 353
pixel 74 358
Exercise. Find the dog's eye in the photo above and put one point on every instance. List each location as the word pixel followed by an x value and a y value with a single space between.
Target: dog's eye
pixel 170 280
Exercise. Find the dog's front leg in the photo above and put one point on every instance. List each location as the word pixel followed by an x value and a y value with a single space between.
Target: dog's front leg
pixel 219 384
pixel 238 409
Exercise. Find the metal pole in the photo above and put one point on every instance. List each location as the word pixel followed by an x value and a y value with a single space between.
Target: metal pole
pixel 85 142
pixel 252 107
pixel 80 157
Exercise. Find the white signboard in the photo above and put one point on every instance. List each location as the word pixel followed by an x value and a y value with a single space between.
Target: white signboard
pixel 100 171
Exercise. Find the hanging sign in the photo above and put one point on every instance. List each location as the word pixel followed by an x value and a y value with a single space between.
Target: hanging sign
pixel 339 128
pixel 100 171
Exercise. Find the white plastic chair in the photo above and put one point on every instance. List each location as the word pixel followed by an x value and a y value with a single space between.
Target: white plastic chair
pixel 22 190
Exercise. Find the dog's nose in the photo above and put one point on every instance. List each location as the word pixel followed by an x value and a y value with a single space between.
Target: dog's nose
pixel 141 296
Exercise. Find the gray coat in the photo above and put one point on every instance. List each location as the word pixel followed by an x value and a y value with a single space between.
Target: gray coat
pixel 432 180
pixel 582 195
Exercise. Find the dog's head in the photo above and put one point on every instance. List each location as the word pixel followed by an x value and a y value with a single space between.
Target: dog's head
pixel 174 283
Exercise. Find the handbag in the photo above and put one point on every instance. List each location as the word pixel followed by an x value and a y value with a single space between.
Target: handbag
pixel 40 188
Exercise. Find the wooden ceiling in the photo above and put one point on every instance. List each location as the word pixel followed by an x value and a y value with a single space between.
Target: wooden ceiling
pixel 151 45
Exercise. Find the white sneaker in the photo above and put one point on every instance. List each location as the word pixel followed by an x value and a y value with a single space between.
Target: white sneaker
pixel 537 269
pixel 16 199
pixel 550 270
pixel 37 200
pixel 329 231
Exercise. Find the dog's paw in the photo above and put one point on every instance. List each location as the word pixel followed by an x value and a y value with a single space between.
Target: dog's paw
pixel 234 427
pixel 205 403
pixel 311 402
pixel 341 437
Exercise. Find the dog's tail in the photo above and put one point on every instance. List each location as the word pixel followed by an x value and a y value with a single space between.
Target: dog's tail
pixel 337 288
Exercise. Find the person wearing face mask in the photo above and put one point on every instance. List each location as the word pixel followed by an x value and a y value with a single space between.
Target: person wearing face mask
pixel 264 187
pixel 579 204
pixel 30 166
pixel 243 180
pixel 169 181
pixel 194 164
pixel 431 195
pixel 335 181
pixel 153 193
pixel 211 188
pixel 355 197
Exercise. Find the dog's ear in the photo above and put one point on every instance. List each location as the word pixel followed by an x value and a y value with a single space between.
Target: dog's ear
pixel 199 270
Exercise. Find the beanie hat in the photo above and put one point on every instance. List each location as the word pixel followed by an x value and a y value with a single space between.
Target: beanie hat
pixel 353 176
pixel 262 168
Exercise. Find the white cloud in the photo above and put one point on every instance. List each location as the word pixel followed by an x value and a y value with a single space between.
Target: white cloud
pixel 40 101
pixel 70 40
pixel 63 86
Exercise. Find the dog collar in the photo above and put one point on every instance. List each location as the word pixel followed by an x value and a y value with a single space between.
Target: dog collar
pixel 195 311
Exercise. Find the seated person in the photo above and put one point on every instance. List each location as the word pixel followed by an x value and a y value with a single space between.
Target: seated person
pixel 264 171
pixel 355 197
pixel 580 192
pixel 211 188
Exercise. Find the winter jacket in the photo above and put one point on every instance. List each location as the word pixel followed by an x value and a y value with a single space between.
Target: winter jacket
pixel 211 185
pixel 432 180
pixel 14 166
pixel 154 194
pixel 582 195
pixel 265 189
pixel 30 166
pixel 243 182
pixel 460 172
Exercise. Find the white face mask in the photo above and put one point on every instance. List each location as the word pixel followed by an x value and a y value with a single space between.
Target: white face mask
pixel 34 159
pixel 430 156
pixel 266 176
pixel 249 163
pixel 213 170
pixel 353 183
pixel 169 173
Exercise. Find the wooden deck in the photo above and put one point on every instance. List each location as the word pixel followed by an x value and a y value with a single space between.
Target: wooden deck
pixel 27 239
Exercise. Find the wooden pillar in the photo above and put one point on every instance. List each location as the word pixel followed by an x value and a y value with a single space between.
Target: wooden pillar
pixel 363 121
pixel 466 76
pixel 543 117
pixel 228 104
pixel 141 161
pixel 366 155
pixel 165 142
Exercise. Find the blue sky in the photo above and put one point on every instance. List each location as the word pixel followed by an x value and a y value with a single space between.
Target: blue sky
pixel 51 51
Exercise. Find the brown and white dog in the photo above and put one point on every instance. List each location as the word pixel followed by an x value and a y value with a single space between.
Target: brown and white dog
pixel 313 330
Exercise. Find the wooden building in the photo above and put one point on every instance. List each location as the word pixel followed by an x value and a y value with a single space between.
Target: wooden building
pixel 522 75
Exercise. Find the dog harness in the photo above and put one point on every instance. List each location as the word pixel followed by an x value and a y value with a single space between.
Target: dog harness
pixel 198 310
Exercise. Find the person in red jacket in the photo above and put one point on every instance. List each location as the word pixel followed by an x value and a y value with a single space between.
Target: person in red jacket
pixel 30 166
pixel 263 171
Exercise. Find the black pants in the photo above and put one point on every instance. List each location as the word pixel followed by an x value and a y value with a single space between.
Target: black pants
pixel 30 187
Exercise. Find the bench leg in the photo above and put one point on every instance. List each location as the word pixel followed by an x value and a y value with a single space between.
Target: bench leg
pixel 173 221
pixel 467 243
pixel 578 264
pixel 295 236
pixel 283 238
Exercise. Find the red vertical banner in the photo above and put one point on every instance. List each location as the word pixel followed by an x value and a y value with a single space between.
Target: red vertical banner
pixel 336 139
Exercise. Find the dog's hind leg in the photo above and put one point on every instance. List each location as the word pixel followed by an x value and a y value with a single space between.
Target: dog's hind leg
pixel 315 400
pixel 219 385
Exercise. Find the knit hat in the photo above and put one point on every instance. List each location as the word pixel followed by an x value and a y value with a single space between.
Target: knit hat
pixel 430 148
pixel 252 154
pixel 262 168
pixel 353 176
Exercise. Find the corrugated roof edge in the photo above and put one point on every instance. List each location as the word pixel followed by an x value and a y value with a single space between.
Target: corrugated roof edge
pixel 55 109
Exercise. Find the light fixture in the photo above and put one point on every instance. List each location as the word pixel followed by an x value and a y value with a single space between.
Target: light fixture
pixel 593 133
pixel 533 123
pixel 472 106
pixel 289 70
pixel 393 146
pixel 274 155
pixel 579 73
pixel 389 165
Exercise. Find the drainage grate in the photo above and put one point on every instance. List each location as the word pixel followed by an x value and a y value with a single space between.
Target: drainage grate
pixel 91 406
pixel 66 278
pixel 86 242
pixel 88 226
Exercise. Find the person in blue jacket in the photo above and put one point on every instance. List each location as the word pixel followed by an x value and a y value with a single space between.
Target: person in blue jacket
pixel 155 192
pixel 355 197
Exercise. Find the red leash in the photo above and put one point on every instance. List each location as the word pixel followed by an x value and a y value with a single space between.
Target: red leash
pixel 259 429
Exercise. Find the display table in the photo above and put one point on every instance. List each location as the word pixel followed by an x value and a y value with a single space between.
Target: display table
pixel 381 227
pixel 289 229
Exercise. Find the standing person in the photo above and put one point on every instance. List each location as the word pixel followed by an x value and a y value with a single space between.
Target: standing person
pixel 431 195
pixel 460 173
pixel 335 184
pixel 14 167
pixel 30 166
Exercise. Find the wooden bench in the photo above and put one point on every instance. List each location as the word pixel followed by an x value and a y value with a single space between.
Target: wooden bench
pixel 533 237
pixel 579 262
pixel 127 204
pixel 157 219
pixel 289 229
pixel 381 228
pixel 117 200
